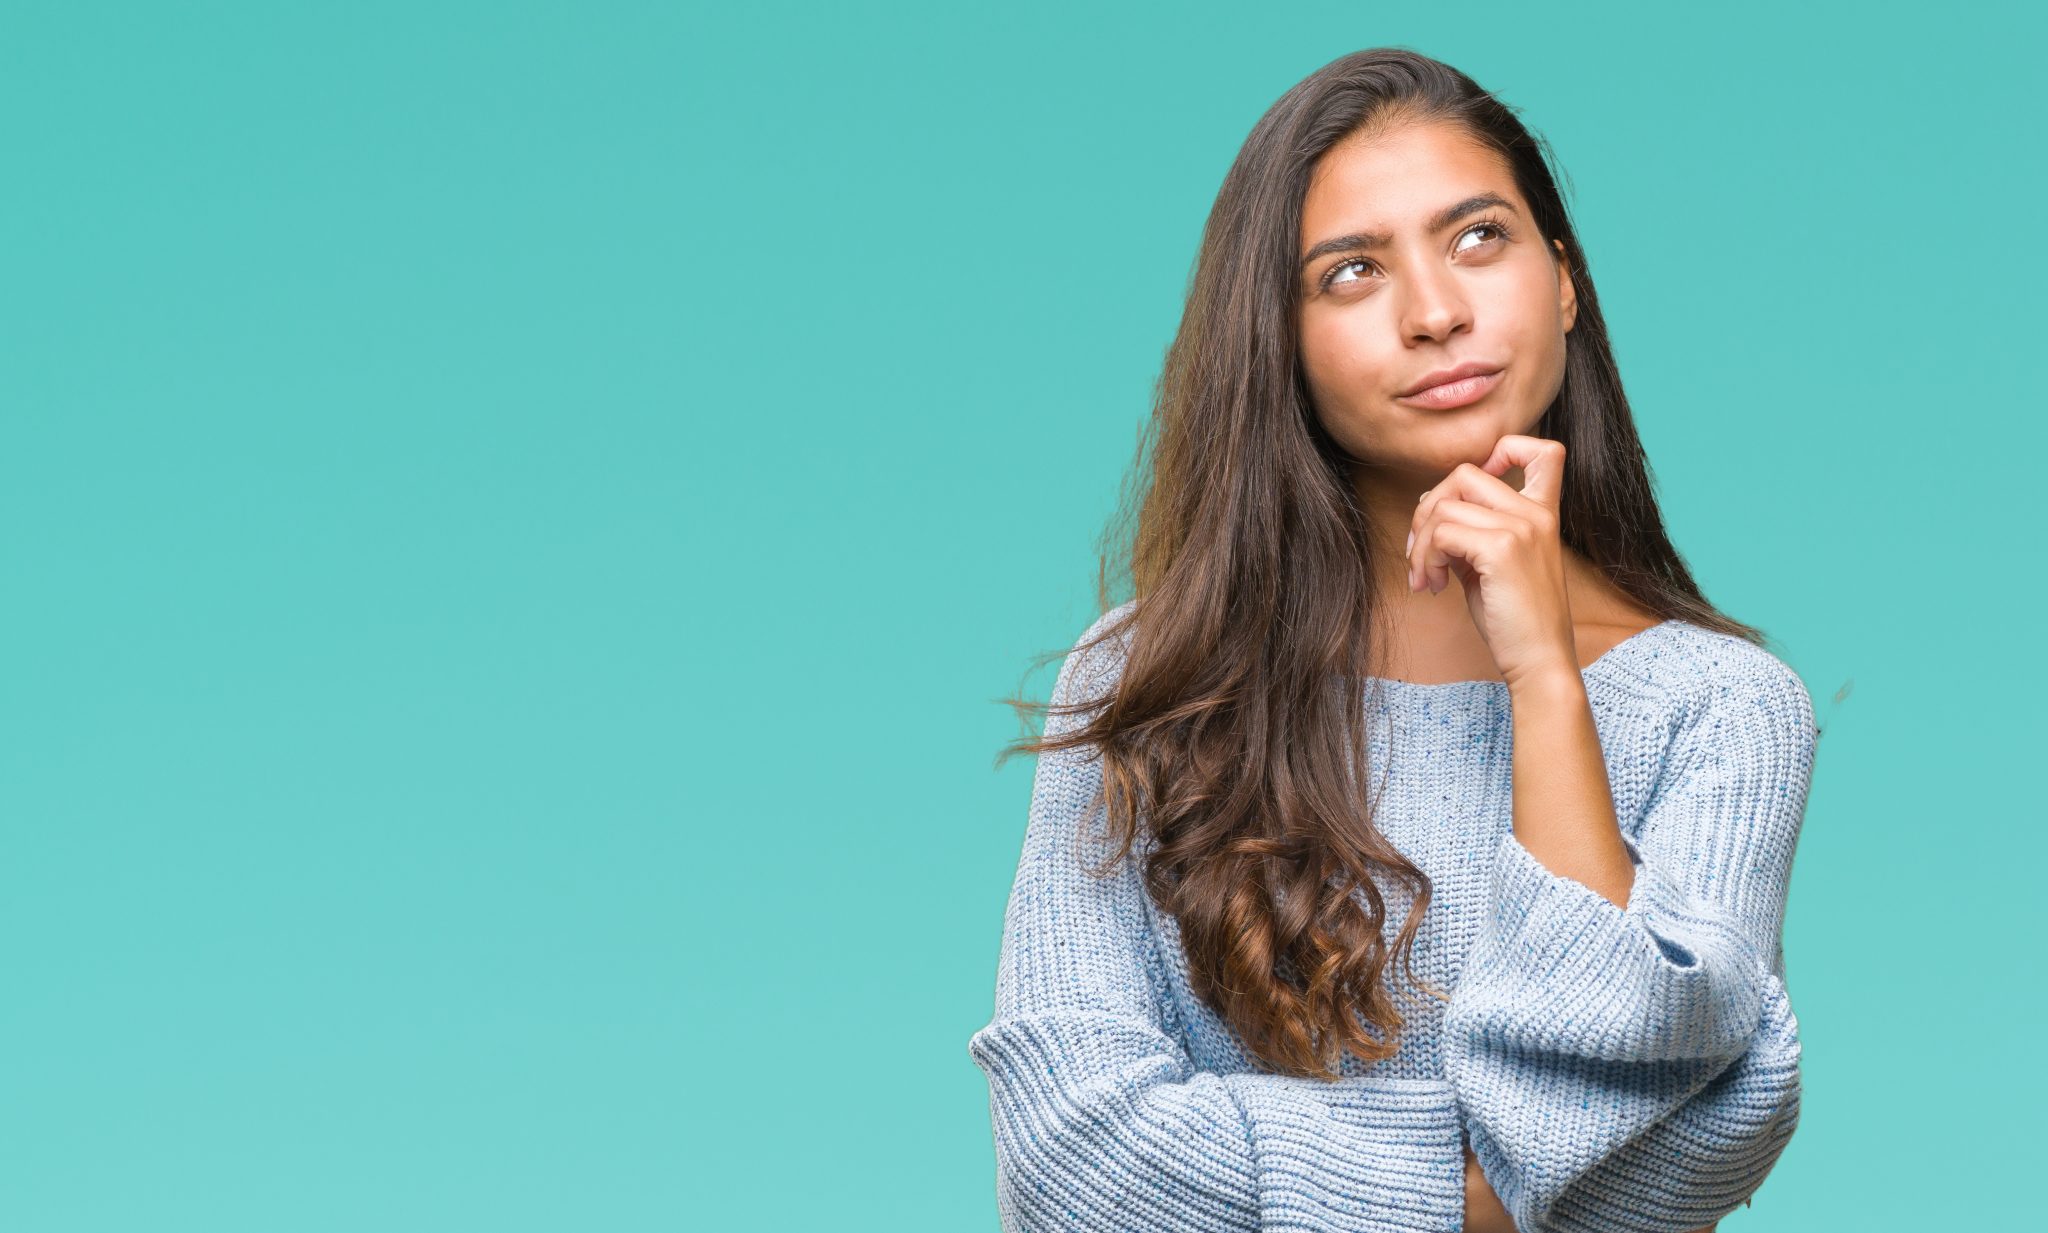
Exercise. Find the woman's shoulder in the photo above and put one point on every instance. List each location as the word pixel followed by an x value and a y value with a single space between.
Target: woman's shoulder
pixel 1109 620
pixel 1686 667
pixel 1093 664
pixel 1699 671
pixel 1701 656
pixel 1101 647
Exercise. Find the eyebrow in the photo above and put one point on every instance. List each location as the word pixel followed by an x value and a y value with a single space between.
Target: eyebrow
pixel 1358 241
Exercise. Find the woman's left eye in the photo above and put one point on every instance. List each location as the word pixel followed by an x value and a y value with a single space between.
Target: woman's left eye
pixel 1488 225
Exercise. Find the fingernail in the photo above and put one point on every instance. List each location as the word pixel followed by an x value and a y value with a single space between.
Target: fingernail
pixel 1410 545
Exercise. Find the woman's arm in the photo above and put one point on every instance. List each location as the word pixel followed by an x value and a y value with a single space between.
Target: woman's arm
pixel 1604 1036
pixel 1102 1121
pixel 1484 1212
pixel 1563 810
pixel 1632 1063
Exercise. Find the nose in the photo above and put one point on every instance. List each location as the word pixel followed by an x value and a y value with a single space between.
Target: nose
pixel 1435 307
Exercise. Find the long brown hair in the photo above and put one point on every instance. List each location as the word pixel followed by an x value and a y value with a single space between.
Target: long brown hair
pixel 1251 564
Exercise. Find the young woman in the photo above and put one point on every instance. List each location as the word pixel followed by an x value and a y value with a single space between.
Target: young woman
pixel 1412 851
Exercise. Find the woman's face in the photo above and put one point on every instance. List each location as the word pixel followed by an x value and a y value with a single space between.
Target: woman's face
pixel 1456 275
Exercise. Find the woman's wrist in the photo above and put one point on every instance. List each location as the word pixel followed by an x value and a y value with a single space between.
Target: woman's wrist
pixel 1484 1212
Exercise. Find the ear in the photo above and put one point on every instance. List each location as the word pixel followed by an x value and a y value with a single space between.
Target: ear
pixel 1567 295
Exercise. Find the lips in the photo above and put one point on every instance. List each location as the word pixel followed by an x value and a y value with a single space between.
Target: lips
pixel 1444 376
pixel 1454 393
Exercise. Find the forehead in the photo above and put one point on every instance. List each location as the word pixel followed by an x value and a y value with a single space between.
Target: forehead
pixel 1397 179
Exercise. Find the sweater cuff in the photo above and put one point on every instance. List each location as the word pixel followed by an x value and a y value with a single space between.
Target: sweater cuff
pixel 1370 1154
pixel 1664 978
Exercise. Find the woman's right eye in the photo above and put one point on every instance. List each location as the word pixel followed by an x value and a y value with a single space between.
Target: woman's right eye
pixel 1338 269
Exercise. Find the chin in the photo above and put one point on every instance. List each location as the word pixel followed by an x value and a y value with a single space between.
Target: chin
pixel 1466 433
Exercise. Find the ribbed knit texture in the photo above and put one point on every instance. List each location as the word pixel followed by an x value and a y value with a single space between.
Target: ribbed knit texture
pixel 1616 1070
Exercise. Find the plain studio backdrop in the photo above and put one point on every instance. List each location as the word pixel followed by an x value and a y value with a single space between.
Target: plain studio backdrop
pixel 517 516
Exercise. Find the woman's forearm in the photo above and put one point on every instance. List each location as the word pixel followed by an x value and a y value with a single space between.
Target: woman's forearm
pixel 1563 811
pixel 1484 1212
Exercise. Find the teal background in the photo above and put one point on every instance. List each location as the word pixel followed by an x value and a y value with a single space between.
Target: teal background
pixel 517 518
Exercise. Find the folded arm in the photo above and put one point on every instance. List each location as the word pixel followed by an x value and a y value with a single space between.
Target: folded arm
pixel 1635 1067
pixel 1102 1122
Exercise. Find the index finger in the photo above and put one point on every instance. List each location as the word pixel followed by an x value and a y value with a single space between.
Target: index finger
pixel 1542 463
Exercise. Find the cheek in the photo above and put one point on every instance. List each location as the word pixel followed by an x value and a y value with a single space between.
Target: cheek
pixel 1540 344
pixel 1339 363
pixel 1321 364
pixel 1529 320
pixel 1537 301
pixel 1317 344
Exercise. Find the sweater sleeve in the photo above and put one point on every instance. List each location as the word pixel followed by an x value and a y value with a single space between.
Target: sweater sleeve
pixel 1697 1163
pixel 1637 1068
pixel 1102 1121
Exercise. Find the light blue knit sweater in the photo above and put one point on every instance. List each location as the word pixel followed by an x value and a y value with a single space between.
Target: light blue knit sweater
pixel 1614 1069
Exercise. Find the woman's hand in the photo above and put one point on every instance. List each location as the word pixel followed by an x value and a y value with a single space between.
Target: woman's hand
pixel 1504 547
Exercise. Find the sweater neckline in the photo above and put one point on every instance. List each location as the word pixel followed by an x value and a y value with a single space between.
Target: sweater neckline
pixel 1631 648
